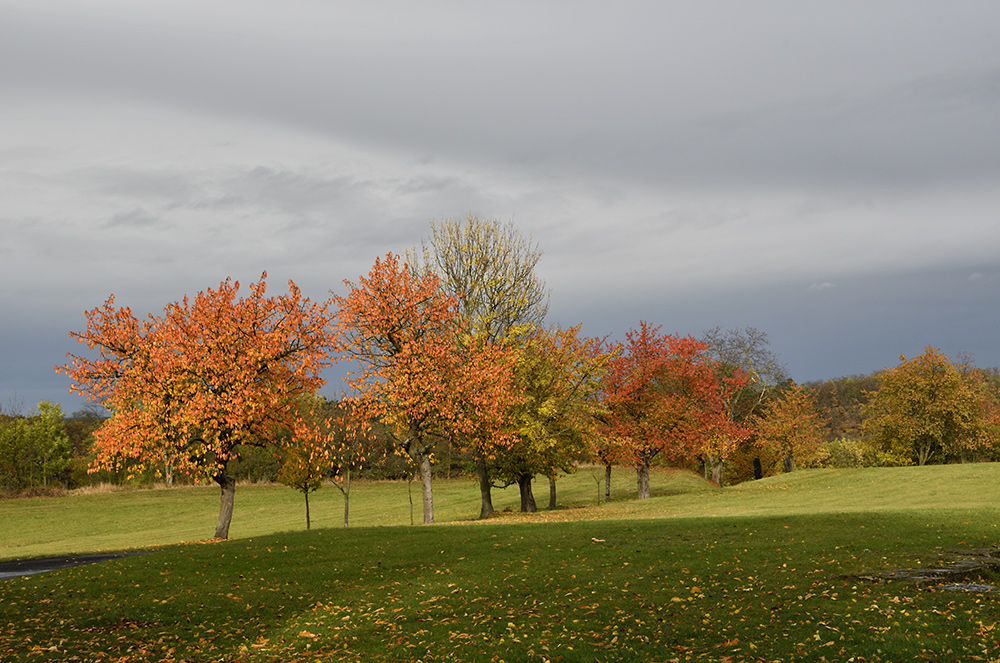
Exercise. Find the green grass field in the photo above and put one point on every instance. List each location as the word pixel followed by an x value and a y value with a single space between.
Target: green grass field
pixel 768 571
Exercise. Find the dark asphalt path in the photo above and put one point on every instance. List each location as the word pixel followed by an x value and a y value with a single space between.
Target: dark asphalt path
pixel 26 567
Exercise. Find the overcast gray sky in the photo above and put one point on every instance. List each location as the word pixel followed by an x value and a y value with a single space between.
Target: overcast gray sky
pixel 828 172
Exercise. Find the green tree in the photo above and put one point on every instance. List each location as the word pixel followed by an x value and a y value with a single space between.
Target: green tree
pixel 35 451
pixel 559 375
pixel 928 407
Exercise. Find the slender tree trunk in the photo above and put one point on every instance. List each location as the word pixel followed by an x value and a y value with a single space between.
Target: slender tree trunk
pixel 789 463
pixel 485 488
pixel 409 494
pixel 607 483
pixel 527 497
pixel 758 470
pixel 308 523
pixel 347 496
pixel 425 481
pixel 718 472
pixel 552 492
pixel 228 485
pixel 642 479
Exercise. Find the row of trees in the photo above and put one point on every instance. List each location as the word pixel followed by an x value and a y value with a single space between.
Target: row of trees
pixel 449 350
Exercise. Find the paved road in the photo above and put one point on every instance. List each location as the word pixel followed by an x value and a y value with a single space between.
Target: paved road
pixel 26 567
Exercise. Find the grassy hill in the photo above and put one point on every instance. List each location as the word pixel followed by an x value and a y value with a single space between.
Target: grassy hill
pixel 136 519
pixel 780 569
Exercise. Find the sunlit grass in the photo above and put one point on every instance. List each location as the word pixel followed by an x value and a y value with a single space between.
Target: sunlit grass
pixel 137 519
pixel 143 518
pixel 767 571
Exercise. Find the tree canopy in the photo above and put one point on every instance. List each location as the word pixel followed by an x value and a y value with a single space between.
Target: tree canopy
pixel 419 372
pixel 203 379
pixel 928 407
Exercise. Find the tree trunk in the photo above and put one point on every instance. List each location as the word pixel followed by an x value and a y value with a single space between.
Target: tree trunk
pixel 527 497
pixel 308 523
pixel 789 463
pixel 607 483
pixel 718 472
pixel 485 488
pixel 425 481
pixel 409 494
pixel 347 495
pixel 642 479
pixel 228 485
pixel 552 492
pixel 758 470
pixel 168 471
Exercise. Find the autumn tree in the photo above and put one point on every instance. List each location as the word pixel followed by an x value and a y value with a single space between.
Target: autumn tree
pixel 303 470
pixel 342 443
pixel 929 407
pixel 664 395
pixel 791 425
pixel 558 376
pixel 203 380
pixel 419 372
pixel 489 268
pixel 748 351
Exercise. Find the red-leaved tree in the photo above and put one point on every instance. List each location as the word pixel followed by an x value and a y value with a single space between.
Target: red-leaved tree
pixel 202 380
pixel 664 397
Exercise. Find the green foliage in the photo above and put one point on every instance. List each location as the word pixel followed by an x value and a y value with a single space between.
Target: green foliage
pixel 847 452
pixel 256 464
pixel 558 376
pixel 35 451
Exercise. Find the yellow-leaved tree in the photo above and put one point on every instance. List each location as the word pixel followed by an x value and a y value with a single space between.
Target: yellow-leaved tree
pixel 929 408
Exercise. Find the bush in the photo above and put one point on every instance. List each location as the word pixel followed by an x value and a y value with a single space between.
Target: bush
pixel 844 452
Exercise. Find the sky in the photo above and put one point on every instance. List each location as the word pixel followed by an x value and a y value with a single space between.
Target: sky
pixel 827 172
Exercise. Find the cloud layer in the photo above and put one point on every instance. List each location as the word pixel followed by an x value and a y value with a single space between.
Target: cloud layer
pixel 827 173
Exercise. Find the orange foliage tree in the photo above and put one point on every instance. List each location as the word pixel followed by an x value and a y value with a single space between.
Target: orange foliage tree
pixel 330 443
pixel 791 425
pixel 417 371
pixel 202 380
pixel 664 395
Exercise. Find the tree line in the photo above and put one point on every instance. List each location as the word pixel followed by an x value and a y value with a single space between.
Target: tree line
pixel 450 356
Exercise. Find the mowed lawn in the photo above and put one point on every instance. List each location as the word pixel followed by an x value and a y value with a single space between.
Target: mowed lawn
pixel 767 571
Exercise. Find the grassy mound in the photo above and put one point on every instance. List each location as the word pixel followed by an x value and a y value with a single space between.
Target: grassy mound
pixel 765 571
